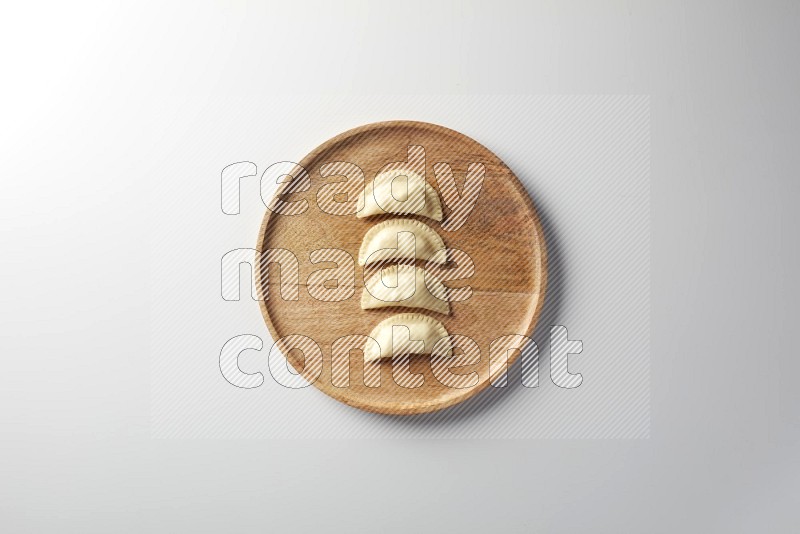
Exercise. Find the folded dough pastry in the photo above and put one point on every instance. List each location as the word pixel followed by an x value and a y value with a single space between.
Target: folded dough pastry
pixel 410 286
pixel 418 199
pixel 385 242
pixel 407 333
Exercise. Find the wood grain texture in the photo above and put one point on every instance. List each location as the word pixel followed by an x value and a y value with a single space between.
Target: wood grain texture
pixel 503 236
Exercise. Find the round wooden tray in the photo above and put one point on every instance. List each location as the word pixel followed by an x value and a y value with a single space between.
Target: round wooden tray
pixel 503 236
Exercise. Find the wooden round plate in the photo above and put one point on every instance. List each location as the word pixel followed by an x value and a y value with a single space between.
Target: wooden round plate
pixel 502 235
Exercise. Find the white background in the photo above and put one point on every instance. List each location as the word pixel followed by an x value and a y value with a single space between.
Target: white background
pixel 96 101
